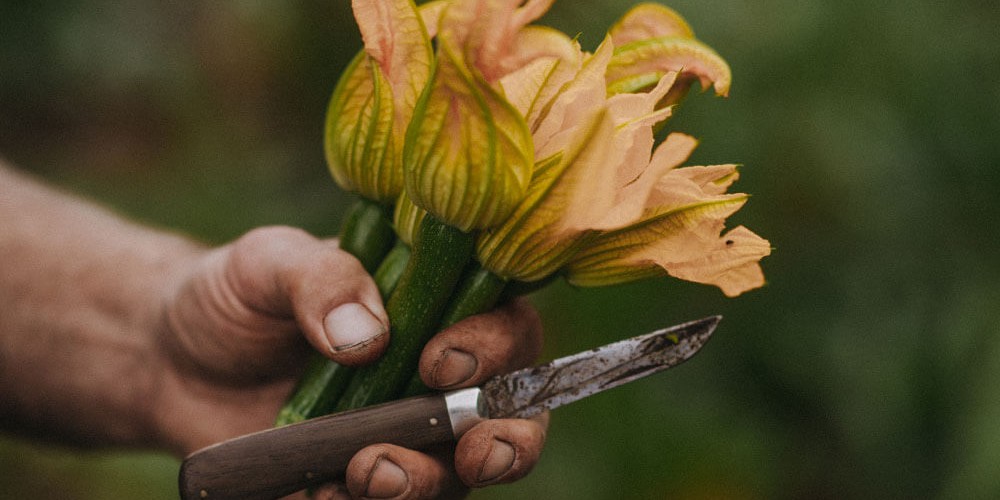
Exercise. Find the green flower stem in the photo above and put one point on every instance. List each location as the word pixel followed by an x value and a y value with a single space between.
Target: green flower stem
pixel 368 235
pixel 478 292
pixel 440 254
pixel 389 273
pixel 319 389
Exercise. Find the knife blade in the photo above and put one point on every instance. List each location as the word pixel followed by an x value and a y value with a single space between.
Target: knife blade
pixel 276 462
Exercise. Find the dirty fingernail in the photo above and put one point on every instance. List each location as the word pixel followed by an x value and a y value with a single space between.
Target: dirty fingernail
pixel 454 368
pixel 351 325
pixel 498 462
pixel 388 480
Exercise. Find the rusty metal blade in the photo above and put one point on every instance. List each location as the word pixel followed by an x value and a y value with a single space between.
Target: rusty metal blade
pixel 529 391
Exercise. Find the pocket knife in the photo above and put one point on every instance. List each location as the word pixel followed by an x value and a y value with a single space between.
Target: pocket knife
pixel 276 462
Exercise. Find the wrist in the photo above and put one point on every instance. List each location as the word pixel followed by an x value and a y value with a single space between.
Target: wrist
pixel 131 346
pixel 83 293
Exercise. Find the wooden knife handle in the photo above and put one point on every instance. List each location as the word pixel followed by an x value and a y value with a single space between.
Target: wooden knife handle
pixel 276 462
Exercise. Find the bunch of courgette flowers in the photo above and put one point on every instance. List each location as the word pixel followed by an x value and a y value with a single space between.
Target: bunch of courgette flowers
pixel 501 156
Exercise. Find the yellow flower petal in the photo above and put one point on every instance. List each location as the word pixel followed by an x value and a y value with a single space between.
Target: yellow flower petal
pixel 568 190
pixel 469 149
pixel 407 218
pixel 731 263
pixel 708 180
pixel 430 13
pixel 653 39
pixel 525 88
pixel 640 64
pixel 634 116
pixel 680 235
pixel 359 141
pixel 664 236
pixel 374 99
pixel 533 86
pixel 597 183
pixel 649 20
pixel 633 197
pixel 560 122
pixel 394 35
pixel 468 154
pixel 487 32
pixel 536 42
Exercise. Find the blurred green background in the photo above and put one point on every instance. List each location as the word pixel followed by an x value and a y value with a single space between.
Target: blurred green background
pixel 869 367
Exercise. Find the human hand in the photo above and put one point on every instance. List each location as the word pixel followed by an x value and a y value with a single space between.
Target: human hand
pixel 237 329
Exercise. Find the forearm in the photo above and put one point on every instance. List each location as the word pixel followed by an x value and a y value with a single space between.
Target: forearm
pixel 81 293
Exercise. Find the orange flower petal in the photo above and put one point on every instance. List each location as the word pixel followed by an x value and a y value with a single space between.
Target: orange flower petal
pixel 640 64
pixel 634 116
pixel 394 35
pixel 682 236
pixel 430 13
pixel 663 237
pixel 532 87
pixel 568 191
pixel 559 124
pixel 731 262
pixel 485 30
pixel 634 198
pixel 649 20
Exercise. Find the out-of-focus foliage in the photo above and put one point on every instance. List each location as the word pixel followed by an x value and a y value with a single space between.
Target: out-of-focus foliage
pixel 869 367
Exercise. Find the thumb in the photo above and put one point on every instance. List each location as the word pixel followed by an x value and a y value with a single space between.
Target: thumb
pixel 284 271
